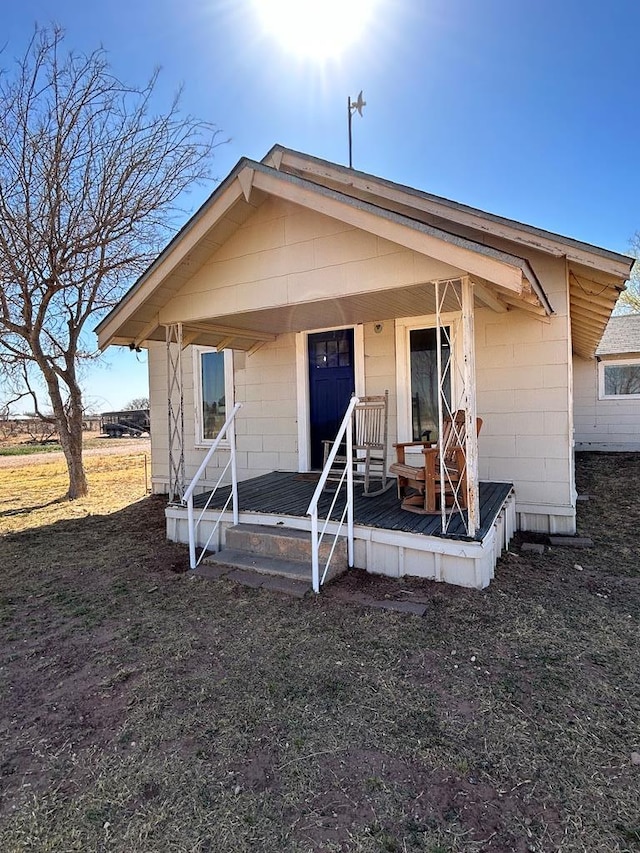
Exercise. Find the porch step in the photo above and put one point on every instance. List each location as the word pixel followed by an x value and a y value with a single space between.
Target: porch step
pixel 262 564
pixel 281 551
pixel 279 541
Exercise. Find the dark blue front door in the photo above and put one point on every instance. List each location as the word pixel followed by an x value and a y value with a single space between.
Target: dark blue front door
pixel 331 384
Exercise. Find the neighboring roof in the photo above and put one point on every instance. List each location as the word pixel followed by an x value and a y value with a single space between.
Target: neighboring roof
pixel 621 337
pixel 415 219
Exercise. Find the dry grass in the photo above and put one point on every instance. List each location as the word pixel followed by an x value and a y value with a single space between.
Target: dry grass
pixel 146 710
pixel 30 495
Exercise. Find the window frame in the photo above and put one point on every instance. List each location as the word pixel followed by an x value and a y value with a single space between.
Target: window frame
pixel 615 362
pixel 404 326
pixel 198 352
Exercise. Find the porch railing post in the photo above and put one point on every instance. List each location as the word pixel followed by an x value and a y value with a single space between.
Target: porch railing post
pixel 315 557
pixel 192 533
pixel 227 429
pixel 349 438
pixel 234 470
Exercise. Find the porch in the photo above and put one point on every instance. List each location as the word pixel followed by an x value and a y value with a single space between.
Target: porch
pixel 387 539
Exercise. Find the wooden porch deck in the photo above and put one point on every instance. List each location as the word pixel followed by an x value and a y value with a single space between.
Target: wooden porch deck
pixel 285 493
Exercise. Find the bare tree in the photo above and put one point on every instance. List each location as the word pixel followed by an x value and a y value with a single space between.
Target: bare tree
pixel 137 403
pixel 39 431
pixel 629 301
pixel 89 181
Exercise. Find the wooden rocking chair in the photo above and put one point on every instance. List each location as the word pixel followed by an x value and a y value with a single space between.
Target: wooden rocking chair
pixel 419 486
pixel 370 446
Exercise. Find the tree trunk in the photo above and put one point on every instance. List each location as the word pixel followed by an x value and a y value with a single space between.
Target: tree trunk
pixel 71 441
pixel 69 423
pixel 78 485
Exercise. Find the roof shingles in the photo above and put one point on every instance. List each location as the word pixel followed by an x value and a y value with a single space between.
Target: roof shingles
pixel 621 336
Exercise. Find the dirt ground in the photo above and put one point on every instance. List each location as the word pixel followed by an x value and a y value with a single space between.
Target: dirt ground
pixel 145 709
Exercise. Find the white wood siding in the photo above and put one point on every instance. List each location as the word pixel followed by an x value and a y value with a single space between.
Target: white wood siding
pixel 266 429
pixel 602 424
pixel 267 433
pixel 523 372
pixel 286 255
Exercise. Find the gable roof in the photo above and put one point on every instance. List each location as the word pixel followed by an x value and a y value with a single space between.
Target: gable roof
pixel 425 223
pixel 362 183
pixel 621 337
pixel 597 276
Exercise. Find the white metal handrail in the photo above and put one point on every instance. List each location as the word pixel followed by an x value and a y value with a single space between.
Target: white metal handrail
pixel 227 429
pixel 346 429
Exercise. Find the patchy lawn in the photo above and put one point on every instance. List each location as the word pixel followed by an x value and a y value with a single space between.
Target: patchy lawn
pixel 147 710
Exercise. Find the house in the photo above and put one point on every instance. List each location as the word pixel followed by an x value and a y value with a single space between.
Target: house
pixel 607 390
pixel 300 281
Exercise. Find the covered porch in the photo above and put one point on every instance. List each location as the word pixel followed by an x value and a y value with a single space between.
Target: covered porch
pixel 387 539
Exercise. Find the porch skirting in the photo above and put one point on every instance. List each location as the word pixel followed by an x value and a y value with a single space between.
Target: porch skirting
pixel 388 540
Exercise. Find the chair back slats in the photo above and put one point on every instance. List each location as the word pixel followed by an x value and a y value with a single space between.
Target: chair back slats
pixel 370 422
pixel 370 444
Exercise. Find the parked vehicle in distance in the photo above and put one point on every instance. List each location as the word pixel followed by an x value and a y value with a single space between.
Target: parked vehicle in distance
pixel 134 422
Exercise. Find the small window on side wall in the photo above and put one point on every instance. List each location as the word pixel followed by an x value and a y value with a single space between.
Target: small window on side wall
pixel 213 371
pixel 619 379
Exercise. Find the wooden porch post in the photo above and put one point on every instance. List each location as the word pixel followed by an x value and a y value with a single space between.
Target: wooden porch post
pixel 471 434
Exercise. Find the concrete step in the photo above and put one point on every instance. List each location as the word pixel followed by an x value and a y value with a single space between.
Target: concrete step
pixel 262 564
pixel 282 542
pixel 278 551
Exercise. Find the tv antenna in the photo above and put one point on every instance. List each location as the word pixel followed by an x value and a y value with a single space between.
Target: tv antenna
pixel 352 106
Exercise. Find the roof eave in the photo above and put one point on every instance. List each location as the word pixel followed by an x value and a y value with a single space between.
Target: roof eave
pixel 574 249
pixel 249 173
pixel 180 235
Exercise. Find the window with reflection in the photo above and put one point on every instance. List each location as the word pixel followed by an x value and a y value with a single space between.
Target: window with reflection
pixel 620 379
pixel 213 393
pixel 423 346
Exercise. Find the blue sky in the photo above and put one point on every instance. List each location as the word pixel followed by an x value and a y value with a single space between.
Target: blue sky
pixel 525 108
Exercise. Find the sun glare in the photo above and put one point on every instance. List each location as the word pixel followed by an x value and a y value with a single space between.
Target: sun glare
pixel 316 29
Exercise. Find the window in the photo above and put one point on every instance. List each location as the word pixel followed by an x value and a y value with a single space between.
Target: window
pixel 214 391
pixel 423 354
pixel 330 353
pixel 417 373
pixel 619 378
